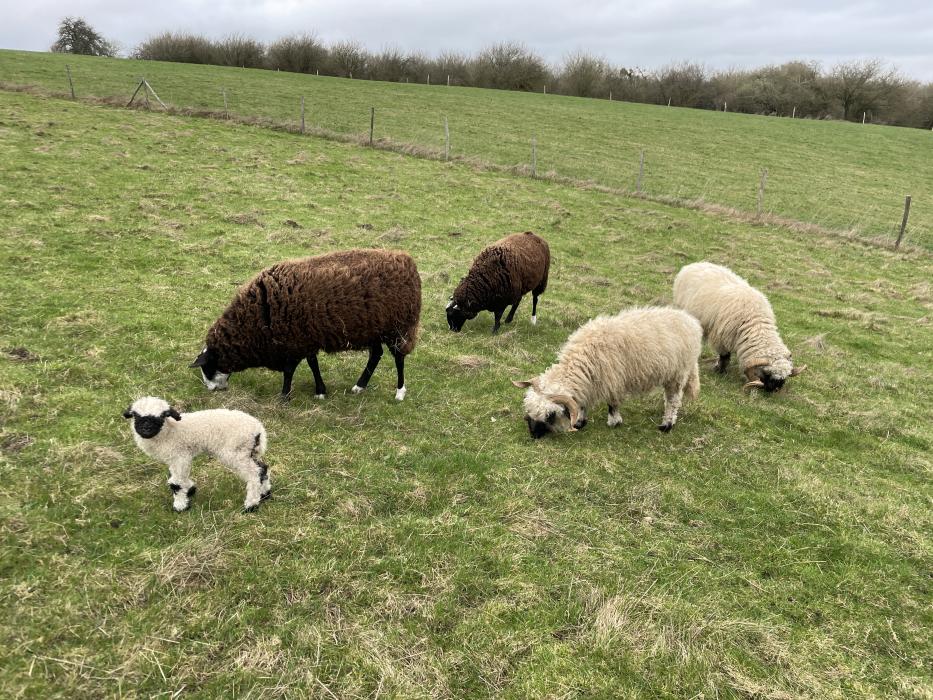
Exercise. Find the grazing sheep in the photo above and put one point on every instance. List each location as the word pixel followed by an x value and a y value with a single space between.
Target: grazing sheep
pixel 737 318
pixel 610 358
pixel 350 300
pixel 501 274
pixel 233 437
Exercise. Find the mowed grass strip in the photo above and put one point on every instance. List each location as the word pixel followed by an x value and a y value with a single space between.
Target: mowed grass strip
pixel 771 546
pixel 838 175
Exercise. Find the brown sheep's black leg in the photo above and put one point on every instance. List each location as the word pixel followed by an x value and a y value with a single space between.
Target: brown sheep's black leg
pixel 400 370
pixel 375 353
pixel 319 389
pixel 508 319
pixel 722 363
pixel 498 319
pixel 287 374
pixel 534 309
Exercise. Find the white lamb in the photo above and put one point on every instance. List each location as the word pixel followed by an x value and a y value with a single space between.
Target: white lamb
pixel 610 358
pixel 737 318
pixel 233 437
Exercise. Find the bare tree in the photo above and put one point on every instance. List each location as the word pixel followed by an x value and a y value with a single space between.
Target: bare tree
pixel 77 36
pixel 860 86
pixel 509 66
pixel 583 75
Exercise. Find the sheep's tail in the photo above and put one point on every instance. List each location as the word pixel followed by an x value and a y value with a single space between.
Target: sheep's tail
pixel 692 387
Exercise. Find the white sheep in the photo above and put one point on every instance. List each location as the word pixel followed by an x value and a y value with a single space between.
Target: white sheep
pixel 736 318
pixel 233 437
pixel 612 357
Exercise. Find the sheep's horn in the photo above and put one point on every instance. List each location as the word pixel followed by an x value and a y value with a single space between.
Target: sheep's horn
pixel 753 384
pixel 798 370
pixel 572 407
pixel 757 362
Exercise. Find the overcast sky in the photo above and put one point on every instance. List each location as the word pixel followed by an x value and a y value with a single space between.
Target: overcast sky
pixel 650 34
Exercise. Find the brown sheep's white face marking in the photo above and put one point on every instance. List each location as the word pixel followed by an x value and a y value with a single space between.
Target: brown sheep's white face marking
pixel 211 377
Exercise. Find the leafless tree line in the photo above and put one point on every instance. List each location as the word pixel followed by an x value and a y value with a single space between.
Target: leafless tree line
pixel 854 90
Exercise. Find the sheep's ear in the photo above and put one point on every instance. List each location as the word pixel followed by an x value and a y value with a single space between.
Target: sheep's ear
pixel 128 413
pixel 200 360
pixel 798 370
pixel 522 384
pixel 172 413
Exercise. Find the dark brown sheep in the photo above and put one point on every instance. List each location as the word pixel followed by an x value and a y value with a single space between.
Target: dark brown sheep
pixel 501 274
pixel 350 300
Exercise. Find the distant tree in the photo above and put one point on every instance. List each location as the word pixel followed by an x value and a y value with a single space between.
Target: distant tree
pixel 298 54
pixel 347 58
pixel 583 75
pixel 77 36
pixel 685 85
pixel 509 66
pixel 861 86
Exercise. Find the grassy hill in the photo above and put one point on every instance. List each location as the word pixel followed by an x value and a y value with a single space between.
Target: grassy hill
pixel 769 547
pixel 834 174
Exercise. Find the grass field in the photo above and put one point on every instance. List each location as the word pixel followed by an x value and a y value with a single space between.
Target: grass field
pixel 837 175
pixel 769 547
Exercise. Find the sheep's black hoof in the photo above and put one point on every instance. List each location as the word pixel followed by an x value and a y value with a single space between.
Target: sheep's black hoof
pixel 251 509
pixel 285 398
pixel 581 424
pixel 665 427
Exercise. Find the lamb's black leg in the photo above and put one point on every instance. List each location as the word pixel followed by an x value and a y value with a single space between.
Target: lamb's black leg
pixel 400 371
pixel 534 309
pixel 375 353
pixel 723 363
pixel 287 374
pixel 319 389
pixel 498 318
pixel 508 319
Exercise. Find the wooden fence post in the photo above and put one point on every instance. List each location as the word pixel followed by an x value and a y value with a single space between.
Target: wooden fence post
pixel 761 190
pixel 372 123
pixel 534 157
pixel 70 82
pixel 226 112
pixel 897 243
pixel 446 140
pixel 794 113
pixel 302 114
pixel 641 172
pixel 149 89
pixel 138 88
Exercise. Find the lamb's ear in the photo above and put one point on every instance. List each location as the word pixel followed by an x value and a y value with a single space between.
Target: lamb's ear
pixel 523 384
pixel 172 413
pixel 200 360
pixel 128 413
pixel 798 370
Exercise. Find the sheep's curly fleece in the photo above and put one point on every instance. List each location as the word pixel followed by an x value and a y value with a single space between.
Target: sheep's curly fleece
pixel 736 317
pixel 504 271
pixel 339 301
pixel 612 357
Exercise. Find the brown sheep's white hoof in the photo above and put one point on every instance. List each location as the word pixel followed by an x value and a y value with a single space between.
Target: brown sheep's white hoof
pixel 357 389
pixel 400 394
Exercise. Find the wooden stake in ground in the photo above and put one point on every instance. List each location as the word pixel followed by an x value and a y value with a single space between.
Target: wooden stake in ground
pixel 897 244
pixel 372 123
pixel 70 83
pixel 302 114
pixel 448 80
pixel 446 141
pixel 545 89
pixel 149 89
pixel 610 95
pixel 794 113
pixel 761 190
pixel 142 81
pixel 534 157
pixel 863 117
pixel 226 113
pixel 641 172
pixel 668 101
pixel 429 78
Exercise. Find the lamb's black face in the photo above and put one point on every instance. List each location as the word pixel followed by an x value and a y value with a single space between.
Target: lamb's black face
pixel 538 429
pixel 148 426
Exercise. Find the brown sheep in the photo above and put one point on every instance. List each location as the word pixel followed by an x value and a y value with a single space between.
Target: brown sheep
pixel 501 275
pixel 350 300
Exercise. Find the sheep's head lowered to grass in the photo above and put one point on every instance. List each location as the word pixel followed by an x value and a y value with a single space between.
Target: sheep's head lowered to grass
pixel 211 375
pixel 547 412
pixel 770 375
pixel 457 315
pixel 149 414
